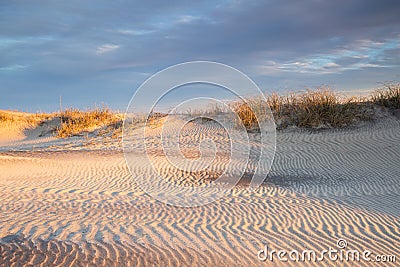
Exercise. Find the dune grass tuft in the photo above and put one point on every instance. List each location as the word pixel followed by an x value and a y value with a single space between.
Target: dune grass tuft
pixel 388 95
pixel 22 119
pixel 321 108
pixel 6 117
pixel 246 111
pixel 76 122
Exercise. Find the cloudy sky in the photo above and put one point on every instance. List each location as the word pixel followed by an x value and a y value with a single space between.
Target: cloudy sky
pixel 101 51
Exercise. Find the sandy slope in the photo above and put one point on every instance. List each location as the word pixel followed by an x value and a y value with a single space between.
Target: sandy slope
pixel 68 207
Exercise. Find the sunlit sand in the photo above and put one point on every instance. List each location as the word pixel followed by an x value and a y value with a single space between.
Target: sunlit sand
pixel 74 202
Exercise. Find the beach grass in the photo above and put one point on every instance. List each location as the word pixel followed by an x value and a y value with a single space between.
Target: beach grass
pixel 321 108
pixel 388 95
pixel 21 118
pixel 75 122
pixel 312 109
pixel 6 117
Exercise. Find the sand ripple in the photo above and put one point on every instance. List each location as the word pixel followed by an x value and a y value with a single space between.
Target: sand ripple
pixel 83 208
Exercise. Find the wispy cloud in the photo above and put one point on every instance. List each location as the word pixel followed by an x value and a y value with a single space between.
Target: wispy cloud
pixel 187 19
pixel 106 48
pixel 134 32
pixel 358 55
pixel 13 67
pixel 32 40
pixel 70 46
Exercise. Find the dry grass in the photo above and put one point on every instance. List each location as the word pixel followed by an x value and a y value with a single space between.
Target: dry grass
pixel 314 109
pixel 6 117
pixel 388 95
pixel 24 119
pixel 211 110
pixel 114 130
pixel 246 111
pixel 204 115
pixel 321 108
pixel 155 120
pixel 76 122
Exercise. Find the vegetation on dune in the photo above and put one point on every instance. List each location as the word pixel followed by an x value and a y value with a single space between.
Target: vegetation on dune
pixel 24 119
pixel 321 108
pixel 6 117
pixel 246 111
pixel 210 110
pixel 388 95
pixel 76 122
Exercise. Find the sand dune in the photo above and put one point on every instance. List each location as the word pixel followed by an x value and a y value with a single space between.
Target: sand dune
pixel 62 205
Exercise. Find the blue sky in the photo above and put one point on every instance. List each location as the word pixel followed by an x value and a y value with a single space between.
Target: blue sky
pixel 101 51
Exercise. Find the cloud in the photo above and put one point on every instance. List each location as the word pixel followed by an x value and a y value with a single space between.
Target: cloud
pixel 358 55
pixel 77 43
pixel 187 19
pixel 106 48
pixel 135 32
pixel 13 67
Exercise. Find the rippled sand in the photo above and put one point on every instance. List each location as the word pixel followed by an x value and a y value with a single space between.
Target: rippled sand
pixel 63 206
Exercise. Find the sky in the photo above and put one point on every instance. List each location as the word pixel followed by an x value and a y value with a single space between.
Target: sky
pixel 99 52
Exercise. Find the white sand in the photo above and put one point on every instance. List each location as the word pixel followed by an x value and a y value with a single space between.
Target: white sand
pixel 62 205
